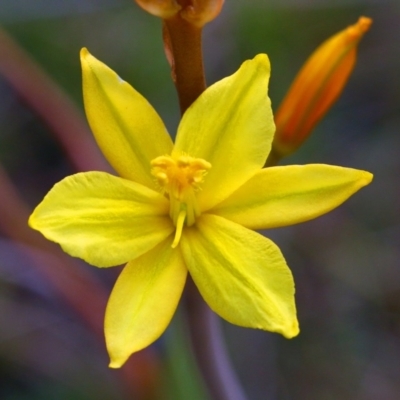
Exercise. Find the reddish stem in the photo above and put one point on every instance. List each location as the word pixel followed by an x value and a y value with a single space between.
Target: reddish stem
pixel 51 104
pixel 183 46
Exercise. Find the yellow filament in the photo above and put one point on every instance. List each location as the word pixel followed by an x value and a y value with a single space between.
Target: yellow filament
pixel 179 227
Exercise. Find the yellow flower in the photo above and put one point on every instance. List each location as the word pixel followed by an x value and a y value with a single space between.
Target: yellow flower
pixel 189 206
pixel 317 86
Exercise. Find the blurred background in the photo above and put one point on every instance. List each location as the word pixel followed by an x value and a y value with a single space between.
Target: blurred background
pixel 346 263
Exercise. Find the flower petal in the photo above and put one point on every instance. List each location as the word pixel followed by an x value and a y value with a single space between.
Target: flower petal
pixel 280 196
pixel 126 127
pixel 143 301
pixel 241 275
pixel 231 126
pixel 103 219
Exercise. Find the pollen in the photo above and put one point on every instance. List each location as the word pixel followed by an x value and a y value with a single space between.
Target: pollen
pixel 177 176
pixel 180 178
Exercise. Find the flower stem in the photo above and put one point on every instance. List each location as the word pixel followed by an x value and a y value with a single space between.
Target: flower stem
pixel 183 48
pixel 209 348
pixel 182 43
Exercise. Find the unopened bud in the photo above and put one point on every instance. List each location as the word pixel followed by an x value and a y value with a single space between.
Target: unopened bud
pixel 199 12
pixel 160 8
pixel 196 12
pixel 316 87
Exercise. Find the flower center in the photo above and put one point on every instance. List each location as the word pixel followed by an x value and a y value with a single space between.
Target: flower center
pixel 180 178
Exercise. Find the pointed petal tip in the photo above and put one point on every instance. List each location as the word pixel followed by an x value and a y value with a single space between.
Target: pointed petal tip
pixel 292 331
pixel 31 221
pixel 118 357
pixel 260 61
pixel 365 178
pixel 263 60
pixel 288 329
pixel 84 52
pixel 85 57
pixel 34 223
pixel 356 31
pixel 115 364
pixel 363 24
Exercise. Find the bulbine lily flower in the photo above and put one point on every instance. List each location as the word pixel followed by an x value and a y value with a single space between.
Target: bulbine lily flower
pixel 191 206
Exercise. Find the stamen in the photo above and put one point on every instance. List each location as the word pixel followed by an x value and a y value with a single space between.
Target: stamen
pixel 180 178
pixel 179 227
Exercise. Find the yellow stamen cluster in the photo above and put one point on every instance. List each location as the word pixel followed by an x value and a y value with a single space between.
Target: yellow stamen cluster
pixel 180 178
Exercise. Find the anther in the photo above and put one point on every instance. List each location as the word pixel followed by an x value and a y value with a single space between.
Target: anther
pixel 180 178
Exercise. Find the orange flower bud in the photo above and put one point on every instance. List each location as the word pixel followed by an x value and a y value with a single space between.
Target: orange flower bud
pixel 199 12
pixel 316 87
pixel 160 8
pixel 196 12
